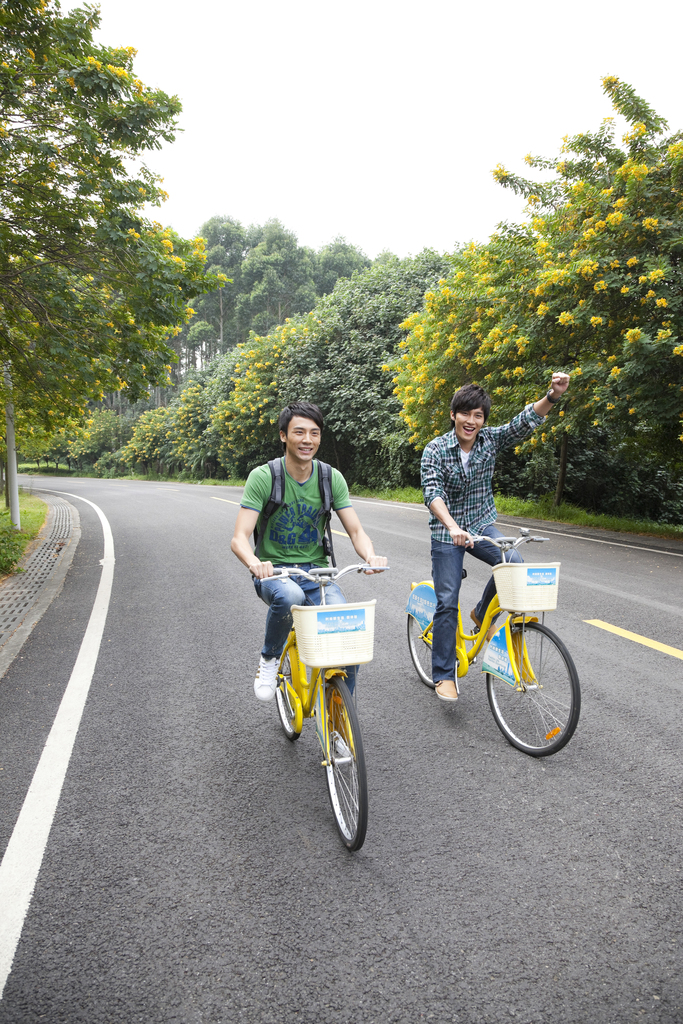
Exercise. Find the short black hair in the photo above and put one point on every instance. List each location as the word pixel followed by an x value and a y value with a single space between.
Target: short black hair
pixel 470 397
pixel 306 409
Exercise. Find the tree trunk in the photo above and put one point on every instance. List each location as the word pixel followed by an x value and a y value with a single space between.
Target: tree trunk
pixel 12 482
pixel 562 476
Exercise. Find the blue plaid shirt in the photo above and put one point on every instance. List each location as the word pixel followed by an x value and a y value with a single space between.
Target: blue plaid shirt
pixel 469 495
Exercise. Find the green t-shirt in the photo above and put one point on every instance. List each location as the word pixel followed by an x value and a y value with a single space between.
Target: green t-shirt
pixel 292 536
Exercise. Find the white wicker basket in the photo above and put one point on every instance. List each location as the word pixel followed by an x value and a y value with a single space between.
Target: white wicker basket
pixel 334 635
pixel 527 588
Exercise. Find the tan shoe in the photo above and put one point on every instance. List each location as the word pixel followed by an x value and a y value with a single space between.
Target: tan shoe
pixel 447 690
pixel 493 628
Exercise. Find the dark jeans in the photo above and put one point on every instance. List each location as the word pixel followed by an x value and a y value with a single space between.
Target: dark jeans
pixel 280 595
pixel 447 562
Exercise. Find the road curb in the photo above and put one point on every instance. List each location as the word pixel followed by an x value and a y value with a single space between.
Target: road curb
pixel 47 545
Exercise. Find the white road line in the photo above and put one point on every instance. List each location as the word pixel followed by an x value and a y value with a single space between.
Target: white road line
pixel 598 540
pixel 24 853
pixel 391 504
pixel 397 505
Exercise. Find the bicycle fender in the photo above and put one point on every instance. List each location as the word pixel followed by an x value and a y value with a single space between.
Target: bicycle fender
pixel 422 604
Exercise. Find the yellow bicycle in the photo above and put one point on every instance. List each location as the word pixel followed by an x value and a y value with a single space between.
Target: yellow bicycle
pixel 531 680
pixel 324 638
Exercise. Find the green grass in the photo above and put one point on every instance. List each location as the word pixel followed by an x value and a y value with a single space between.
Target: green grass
pixel 410 494
pixel 572 515
pixel 42 470
pixel 542 509
pixel 33 512
pixel 36 470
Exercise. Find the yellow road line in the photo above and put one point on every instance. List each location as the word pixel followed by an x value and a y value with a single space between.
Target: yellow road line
pixel 636 637
pixel 339 533
pixel 225 499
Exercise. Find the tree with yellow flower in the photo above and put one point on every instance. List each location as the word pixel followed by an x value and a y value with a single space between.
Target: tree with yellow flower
pixel 592 284
pixel 90 290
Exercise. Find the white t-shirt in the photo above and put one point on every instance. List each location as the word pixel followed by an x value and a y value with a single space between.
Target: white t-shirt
pixel 465 456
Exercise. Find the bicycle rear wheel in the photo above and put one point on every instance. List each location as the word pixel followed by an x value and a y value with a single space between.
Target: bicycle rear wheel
pixel 346 777
pixel 284 707
pixel 420 651
pixel 540 715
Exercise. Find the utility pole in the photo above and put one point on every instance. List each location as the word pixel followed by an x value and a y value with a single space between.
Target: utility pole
pixel 13 484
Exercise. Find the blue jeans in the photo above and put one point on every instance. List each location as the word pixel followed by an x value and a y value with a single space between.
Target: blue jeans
pixel 280 595
pixel 447 562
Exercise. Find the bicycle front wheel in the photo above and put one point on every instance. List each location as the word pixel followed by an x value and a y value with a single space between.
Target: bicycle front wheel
pixel 420 651
pixel 346 777
pixel 540 715
pixel 284 706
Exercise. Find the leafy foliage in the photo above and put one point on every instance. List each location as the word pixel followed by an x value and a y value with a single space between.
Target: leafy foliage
pixel 89 290
pixel 593 285
pixel 270 278
pixel 336 356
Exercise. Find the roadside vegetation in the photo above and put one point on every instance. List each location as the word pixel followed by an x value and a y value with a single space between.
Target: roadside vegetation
pixel 13 542
pixel 591 284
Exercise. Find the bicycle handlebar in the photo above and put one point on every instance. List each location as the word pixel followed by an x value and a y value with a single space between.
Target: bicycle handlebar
pixel 506 543
pixel 326 574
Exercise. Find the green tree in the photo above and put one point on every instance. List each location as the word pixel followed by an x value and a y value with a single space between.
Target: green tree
pixel 277 279
pixel 89 290
pixel 338 259
pixel 334 356
pixel 148 445
pixel 269 277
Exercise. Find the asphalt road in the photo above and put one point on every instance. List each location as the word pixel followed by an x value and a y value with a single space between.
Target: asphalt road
pixel 194 873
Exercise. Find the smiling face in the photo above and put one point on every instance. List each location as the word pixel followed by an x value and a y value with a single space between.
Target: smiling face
pixel 467 426
pixel 302 439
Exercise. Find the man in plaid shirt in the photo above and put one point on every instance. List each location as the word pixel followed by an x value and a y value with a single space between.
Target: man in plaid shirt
pixel 457 469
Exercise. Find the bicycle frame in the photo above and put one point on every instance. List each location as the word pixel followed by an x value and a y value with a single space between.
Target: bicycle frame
pixel 307 696
pixel 519 660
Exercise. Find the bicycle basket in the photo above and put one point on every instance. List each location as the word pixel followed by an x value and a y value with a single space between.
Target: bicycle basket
pixel 527 588
pixel 335 634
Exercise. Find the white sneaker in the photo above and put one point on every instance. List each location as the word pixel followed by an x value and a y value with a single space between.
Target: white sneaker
pixel 265 683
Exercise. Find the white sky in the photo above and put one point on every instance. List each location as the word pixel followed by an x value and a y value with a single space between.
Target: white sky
pixel 382 121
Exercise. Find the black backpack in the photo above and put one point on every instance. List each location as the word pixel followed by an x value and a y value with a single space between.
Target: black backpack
pixel 277 500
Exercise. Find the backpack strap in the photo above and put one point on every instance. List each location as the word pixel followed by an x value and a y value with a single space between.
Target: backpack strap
pixel 325 487
pixel 276 501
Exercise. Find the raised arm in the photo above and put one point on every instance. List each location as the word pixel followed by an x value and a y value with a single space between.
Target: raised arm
pixel 559 385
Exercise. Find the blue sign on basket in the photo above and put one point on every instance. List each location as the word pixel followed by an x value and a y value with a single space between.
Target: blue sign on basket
pixel 422 605
pixel 497 660
pixel 542 577
pixel 342 621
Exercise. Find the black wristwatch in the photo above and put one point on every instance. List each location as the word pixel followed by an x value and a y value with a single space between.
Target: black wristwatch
pixel 552 400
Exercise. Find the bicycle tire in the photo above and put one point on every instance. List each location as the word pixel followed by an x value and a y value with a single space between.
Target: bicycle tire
pixel 347 783
pixel 541 718
pixel 420 652
pixel 284 708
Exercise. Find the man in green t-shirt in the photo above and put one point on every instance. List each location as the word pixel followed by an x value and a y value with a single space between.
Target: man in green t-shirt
pixel 293 536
